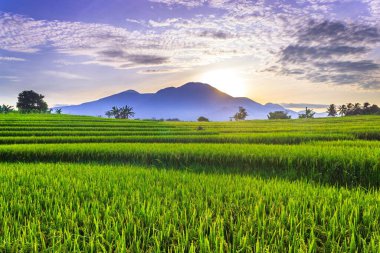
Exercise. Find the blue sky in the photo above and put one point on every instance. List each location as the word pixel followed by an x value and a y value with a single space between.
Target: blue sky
pixel 281 51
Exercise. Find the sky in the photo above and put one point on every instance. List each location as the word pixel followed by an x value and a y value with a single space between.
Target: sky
pixel 291 52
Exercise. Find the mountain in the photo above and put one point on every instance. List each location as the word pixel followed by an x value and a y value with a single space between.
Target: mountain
pixel 186 102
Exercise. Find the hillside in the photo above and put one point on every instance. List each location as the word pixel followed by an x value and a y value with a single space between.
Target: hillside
pixel 187 102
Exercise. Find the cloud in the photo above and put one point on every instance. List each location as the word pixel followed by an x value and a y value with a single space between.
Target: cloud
pixel 132 60
pixel 278 33
pixel 349 66
pixel 300 53
pixel 215 34
pixel 147 59
pixel 65 75
pixel 6 58
pixel 333 52
pixel 339 32
pixel 187 3
pixel 304 105
pixel 158 71
pixel 10 78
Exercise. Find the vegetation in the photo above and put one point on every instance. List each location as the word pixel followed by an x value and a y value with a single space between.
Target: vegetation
pixel 75 183
pixel 30 101
pixel 125 112
pixel 358 109
pixel 279 115
pixel 241 114
pixel 203 119
pixel 332 111
pixel 6 108
pixel 309 113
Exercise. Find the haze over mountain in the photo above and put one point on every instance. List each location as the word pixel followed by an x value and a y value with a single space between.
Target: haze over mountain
pixel 186 102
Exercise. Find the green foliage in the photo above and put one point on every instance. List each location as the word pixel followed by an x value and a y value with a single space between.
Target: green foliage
pixel 278 115
pixel 203 119
pixel 6 109
pixel 332 111
pixel 124 112
pixel 309 113
pixel 241 114
pixel 357 109
pixel 31 102
pixel 76 207
pixel 88 184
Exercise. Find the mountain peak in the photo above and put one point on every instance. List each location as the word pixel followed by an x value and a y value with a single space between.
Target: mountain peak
pixel 196 84
pixel 186 102
pixel 131 92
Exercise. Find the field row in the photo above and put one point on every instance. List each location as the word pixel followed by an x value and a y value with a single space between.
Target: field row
pixel 93 208
pixel 346 165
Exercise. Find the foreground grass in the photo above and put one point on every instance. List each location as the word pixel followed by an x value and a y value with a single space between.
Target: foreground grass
pixel 102 208
pixel 334 163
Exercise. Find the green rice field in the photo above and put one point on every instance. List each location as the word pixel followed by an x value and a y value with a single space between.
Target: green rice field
pixel 87 184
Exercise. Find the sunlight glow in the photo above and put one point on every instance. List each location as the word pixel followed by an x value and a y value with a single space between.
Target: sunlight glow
pixel 226 80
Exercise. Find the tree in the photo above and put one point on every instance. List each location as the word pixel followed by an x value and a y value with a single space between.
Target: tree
pixel 108 114
pixel 342 110
pixel 30 101
pixel 241 114
pixel 58 111
pixel 331 110
pixel 125 112
pixel 6 109
pixel 203 119
pixel 115 111
pixel 279 115
pixel 309 113
pixel 357 109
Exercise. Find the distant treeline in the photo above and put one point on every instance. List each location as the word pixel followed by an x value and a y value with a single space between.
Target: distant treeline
pixel 353 109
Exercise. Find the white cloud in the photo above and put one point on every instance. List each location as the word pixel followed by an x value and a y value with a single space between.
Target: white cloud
pixel 11 78
pixel 244 28
pixel 5 58
pixel 187 3
pixel 65 75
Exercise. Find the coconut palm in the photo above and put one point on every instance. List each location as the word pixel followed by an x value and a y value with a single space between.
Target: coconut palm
pixel 6 108
pixel 342 109
pixel 332 110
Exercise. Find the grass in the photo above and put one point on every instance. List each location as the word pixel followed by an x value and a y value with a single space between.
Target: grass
pixel 96 208
pixel 72 183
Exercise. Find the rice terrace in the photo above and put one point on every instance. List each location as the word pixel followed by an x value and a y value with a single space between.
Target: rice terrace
pixel 190 126
pixel 75 183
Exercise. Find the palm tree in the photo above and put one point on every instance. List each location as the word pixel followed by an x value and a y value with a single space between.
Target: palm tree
pixel 115 112
pixel 309 113
pixel 342 110
pixel 58 111
pixel 6 108
pixel 357 106
pixel 108 114
pixel 126 112
pixel 332 110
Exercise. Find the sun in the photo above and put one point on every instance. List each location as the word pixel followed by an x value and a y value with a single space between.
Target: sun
pixel 229 81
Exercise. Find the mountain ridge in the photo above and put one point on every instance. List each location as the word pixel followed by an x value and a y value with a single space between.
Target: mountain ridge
pixel 186 102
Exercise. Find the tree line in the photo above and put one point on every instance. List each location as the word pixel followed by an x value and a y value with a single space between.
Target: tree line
pixel 353 109
pixel 29 101
pixel 32 102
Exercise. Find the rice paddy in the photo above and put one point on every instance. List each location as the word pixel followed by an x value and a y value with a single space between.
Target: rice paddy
pixel 85 184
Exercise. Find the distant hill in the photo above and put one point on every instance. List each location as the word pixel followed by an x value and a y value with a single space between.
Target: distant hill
pixel 186 102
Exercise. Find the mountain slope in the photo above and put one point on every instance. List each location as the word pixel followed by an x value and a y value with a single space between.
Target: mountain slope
pixel 187 102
